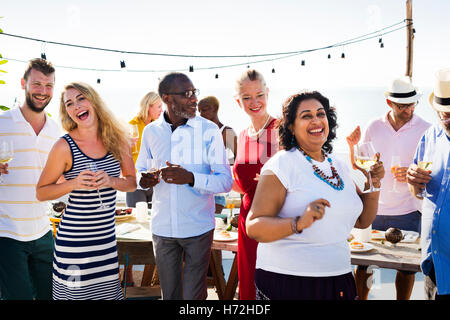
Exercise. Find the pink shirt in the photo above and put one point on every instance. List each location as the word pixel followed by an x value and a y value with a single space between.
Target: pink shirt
pixel 402 143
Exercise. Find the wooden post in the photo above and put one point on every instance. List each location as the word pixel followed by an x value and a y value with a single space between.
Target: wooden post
pixel 409 39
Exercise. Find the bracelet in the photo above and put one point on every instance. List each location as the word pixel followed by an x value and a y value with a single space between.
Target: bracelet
pixel 294 225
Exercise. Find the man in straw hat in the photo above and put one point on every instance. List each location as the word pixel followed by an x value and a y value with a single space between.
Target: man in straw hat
pixel 436 203
pixel 394 136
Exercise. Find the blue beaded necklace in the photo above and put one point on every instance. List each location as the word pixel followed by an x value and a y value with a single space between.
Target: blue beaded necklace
pixel 339 185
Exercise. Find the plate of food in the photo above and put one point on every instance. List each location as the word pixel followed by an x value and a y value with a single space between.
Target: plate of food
pixel 356 246
pixel 378 235
pixel 409 236
pixel 124 214
pixel 224 235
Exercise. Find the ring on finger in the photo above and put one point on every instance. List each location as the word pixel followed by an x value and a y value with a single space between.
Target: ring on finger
pixel 317 207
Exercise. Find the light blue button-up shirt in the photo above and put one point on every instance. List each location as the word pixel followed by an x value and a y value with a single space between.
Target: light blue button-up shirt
pixel 436 209
pixel 182 211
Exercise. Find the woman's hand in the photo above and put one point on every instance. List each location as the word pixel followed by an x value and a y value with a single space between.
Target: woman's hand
pixel 102 180
pixel 314 211
pixel 84 180
pixel 352 140
pixel 377 171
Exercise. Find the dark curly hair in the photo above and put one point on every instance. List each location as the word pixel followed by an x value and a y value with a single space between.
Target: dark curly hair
pixel 290 107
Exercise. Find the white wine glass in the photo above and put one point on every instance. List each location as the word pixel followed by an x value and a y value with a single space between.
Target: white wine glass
pixel 91 166
pixel 134 135
pixel 365 157
pixel 6 154
pixel 395 164
pixel 425 162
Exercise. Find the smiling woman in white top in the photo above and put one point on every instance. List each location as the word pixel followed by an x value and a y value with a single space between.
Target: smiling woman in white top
pixel 305 207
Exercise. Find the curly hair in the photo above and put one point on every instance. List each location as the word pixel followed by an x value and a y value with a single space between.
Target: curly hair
pixel 289 114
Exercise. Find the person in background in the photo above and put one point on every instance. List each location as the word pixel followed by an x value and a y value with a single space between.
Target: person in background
pixel 304 208
pixel 256 145
pixel 95 159
pixel 188 155
pixel 26 242
pixel 209 109
pixel 150 109
pixel 397 208
pixel 435 240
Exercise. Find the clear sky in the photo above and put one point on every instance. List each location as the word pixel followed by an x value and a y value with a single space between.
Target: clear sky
pixel 232 27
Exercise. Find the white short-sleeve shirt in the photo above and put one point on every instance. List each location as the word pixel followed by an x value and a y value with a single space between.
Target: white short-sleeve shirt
pixel 22 216
pixel 322 249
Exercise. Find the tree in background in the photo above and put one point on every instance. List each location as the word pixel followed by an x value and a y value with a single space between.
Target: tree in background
pixel 2 61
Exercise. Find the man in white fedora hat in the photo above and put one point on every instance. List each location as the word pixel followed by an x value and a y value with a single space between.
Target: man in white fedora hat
pixel 394 135
pixel 434 147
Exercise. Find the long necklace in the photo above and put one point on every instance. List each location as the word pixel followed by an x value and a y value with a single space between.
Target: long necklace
pixel 339 185
pixel 251 131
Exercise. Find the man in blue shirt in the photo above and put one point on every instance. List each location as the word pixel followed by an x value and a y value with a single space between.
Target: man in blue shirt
pixel 189 165
pixel 436 182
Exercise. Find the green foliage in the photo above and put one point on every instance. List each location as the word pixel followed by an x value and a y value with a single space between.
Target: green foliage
pixel 2 61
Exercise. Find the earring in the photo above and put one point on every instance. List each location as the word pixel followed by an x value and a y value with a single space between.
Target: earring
pixel 293 141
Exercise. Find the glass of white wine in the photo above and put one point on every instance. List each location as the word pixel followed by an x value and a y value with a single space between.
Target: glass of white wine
pixel 6 154
pixel 91 166
pixel 365 157
pixel 425 162
pixel 395 164
pixel 134 134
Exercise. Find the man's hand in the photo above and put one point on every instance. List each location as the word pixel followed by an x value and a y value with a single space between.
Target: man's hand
pixel 149 179
pixel 417 178
pixel 352 140
pixel 3 168
pixel 176 174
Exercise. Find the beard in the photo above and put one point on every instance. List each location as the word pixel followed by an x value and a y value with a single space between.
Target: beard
pixel 32 105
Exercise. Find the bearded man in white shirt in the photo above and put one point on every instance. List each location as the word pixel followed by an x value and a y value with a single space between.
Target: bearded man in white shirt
pixel 26 242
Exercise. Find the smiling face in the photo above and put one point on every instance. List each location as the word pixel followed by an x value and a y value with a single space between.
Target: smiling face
pixel 444 118
pixel 38 90
pixel 311 125
pixel 79 108
pixel 252 98
pixel 155 110
pixel 179 106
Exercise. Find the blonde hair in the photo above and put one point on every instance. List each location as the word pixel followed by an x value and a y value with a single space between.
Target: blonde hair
pixel 111 132
pixel 249 75
pixel 149 99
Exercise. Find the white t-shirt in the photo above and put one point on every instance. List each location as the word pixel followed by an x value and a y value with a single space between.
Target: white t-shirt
pixel 322 249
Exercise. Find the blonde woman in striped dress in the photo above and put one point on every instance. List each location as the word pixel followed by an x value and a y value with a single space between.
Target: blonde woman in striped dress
pixel 85 264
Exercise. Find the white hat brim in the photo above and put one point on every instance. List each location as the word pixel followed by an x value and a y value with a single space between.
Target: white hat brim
pixel 412 99
pixel 437 106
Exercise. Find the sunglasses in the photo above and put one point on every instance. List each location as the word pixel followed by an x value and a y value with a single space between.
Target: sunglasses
pixel 403 106
pixel 187 93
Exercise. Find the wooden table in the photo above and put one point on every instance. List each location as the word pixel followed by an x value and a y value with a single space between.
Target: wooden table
pixel 402 256
pixel 142 245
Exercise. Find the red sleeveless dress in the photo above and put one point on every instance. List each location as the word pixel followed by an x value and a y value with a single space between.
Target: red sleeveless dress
pixel 251 155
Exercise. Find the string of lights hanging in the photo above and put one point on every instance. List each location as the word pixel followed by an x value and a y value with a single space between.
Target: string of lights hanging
pixel 267 56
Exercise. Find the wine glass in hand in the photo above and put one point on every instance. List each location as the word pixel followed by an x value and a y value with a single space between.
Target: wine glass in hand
pixel 395 164
pixel 365 158
pixel 6 154
pixel 134 135
pixel 424 162
pixel 91 166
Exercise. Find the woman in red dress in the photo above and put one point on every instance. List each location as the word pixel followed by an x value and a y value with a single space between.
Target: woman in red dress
pixel 256 145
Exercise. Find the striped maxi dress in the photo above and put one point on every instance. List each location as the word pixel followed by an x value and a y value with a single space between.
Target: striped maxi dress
pixel 85 262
